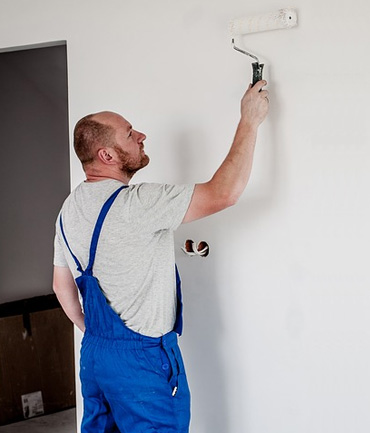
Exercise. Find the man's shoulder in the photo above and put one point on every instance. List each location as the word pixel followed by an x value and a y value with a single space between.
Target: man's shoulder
pixel 157 190
pixel 89 195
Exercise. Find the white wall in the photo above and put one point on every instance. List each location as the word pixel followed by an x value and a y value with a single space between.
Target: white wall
pixel 277 324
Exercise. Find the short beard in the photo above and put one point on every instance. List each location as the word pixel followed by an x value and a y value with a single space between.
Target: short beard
pixel 129 165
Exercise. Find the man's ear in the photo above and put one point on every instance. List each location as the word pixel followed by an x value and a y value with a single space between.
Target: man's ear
pixel 106 155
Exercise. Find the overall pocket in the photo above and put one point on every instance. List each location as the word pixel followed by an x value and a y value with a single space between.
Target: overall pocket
pixel 156 359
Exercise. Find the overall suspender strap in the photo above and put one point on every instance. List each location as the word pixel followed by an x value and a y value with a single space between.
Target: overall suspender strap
pixel 79 267
pixel 95 237
pixel 98 226
pixel 178 326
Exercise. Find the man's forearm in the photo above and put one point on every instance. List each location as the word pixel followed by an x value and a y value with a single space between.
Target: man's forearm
pixel 230 180
pixel 66 292
pixel 72 308
pixel 76 316
pixel 232 177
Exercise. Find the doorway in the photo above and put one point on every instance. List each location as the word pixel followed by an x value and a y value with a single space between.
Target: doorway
pixel 35 179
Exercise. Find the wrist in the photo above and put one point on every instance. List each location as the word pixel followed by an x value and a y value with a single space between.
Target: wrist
pixel 248 126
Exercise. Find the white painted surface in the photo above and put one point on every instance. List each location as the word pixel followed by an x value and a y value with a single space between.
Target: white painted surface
pixel 277 317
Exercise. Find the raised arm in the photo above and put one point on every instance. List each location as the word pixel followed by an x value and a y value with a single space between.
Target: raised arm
pixel 66 290
pixel 230 180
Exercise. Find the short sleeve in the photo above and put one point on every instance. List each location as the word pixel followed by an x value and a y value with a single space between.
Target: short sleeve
pixel 160 206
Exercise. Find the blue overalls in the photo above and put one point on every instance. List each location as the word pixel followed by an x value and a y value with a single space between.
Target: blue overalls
pixel 131 383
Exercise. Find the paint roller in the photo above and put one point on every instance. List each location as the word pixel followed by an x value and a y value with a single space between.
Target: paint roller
pixel 282 19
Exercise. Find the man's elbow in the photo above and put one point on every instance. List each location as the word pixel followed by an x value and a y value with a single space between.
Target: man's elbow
pixel 55 289
pixel 62 278
pixel 233 200
pixel 56 285
pixel 222 202
pixel 228 200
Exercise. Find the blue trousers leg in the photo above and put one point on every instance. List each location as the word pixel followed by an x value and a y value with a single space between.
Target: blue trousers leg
pixel 129 389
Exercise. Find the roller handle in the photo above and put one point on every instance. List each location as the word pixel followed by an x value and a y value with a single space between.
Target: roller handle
pixel 257 72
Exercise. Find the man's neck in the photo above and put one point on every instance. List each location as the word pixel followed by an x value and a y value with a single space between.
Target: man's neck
pixel 96 177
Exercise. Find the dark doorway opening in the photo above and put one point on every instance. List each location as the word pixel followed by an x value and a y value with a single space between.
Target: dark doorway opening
pixel 34 167
pixel 36 345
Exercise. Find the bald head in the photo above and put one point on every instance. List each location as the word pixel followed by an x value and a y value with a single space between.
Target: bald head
pixel 93 132
pixel 109 118
pixel 108 146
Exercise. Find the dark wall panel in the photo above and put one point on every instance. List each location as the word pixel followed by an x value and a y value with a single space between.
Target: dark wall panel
pixel 34 167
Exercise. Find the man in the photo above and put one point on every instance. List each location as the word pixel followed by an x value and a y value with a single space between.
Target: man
pixel 115 241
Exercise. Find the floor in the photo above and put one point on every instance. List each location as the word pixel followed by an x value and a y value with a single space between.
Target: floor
pixel 61 422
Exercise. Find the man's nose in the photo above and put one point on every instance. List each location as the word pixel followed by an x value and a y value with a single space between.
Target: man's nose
pixel 140 136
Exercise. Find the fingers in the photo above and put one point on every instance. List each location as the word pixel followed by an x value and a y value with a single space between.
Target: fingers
pixel 255 103
pixel 259 85
pixel 257 89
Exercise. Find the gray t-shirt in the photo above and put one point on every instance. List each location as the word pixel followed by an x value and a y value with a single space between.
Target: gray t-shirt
pixel 135 258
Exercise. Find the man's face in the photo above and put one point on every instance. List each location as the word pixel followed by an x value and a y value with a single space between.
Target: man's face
pixel 129 146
